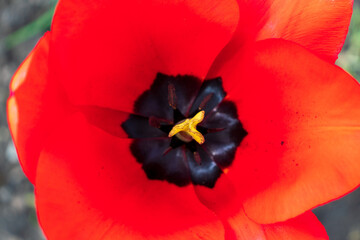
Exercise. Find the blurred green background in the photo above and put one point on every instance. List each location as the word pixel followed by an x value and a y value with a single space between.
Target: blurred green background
pixel 22 22
pixel 349 58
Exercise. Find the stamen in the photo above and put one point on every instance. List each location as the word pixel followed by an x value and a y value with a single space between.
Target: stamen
pixel 167 151
pixel 186 130
pixel 171 96
pixel 156 122
pixel 205 101
pixel 197 158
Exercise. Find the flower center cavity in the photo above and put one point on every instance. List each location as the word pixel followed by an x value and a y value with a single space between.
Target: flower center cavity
pixel 184 131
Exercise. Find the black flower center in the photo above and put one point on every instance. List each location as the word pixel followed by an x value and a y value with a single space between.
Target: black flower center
pixel 183 157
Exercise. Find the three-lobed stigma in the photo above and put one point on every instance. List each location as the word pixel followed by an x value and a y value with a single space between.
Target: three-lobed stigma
pixel 186 129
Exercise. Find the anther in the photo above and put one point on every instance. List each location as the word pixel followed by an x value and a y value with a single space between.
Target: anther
pixel 171 96
pixel 197 158
pixel 157 122
pixel 205 101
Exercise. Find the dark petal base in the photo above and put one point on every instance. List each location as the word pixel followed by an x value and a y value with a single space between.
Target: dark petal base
pixel 172 99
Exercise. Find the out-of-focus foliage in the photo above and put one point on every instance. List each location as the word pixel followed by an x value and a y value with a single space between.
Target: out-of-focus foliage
pixel 38 26
pixel 349 58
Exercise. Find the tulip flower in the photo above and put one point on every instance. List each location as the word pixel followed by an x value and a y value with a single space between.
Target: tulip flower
pixel 187 119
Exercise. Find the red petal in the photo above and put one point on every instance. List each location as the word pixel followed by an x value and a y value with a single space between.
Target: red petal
pixel 89 182
pixel 302 116
pixel 303 227
pixel 319 25
pixel 32 108
pixel 243 228
pixel 107 53
pixel 252 19
pixel 223 199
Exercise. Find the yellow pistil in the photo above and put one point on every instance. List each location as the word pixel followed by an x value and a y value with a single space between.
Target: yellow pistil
pixel 186 129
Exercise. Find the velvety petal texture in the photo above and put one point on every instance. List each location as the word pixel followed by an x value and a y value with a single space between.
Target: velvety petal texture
pixel 34 106
pixel 112 50
pixel 303 122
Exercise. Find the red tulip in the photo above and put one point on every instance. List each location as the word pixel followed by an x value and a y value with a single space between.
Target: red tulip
pixel 187 119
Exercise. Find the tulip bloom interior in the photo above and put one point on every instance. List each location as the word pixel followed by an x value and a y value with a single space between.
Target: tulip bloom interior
pixel 170 150
pixel 187 119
